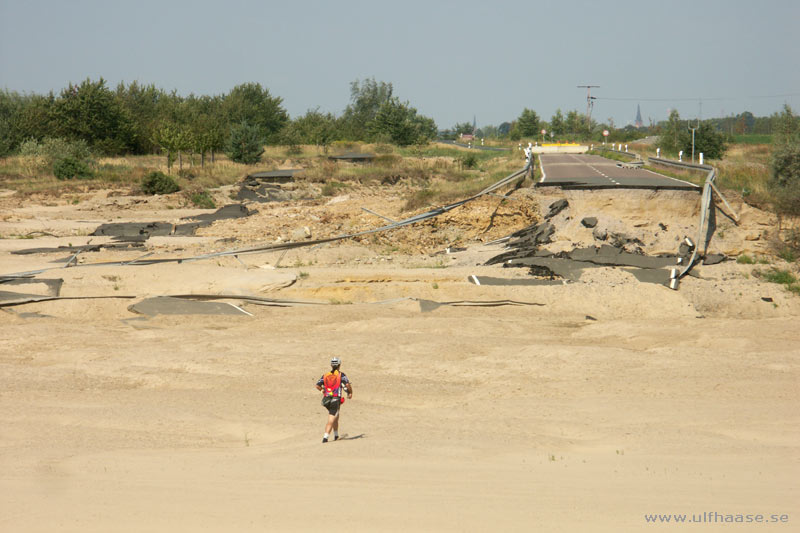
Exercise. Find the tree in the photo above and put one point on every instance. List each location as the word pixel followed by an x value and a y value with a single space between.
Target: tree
pixel 504 128
pixel 528 123
pixel 148 107
pixel 400 124
pixel 90 111
pixel 245 144
pixel 575 122
pixel 673 134
pixel 166 137
pixel 462 128
pixel 251 103
pixel 785 165
pixel 557 126
pixel 366 99
pixel 706 140
pixel 315 127
pixel 787 126
pixel 785 179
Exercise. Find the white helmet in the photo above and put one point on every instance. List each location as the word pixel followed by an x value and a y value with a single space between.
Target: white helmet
pixel 336 361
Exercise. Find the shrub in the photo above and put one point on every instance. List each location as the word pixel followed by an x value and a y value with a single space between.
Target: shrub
pixel 159 183
pixel 70 168
pixel 785 180
pixel 245 144
pixel 775 275
pixel 54 148
pixel 469 161
pixel 202 199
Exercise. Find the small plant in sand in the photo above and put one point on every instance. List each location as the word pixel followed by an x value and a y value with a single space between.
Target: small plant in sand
pixel 159 183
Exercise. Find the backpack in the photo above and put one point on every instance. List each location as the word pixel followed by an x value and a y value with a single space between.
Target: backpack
pixel 332 383
pixel 332 388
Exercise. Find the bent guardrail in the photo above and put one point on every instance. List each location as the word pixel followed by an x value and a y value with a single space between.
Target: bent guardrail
pixel 707 223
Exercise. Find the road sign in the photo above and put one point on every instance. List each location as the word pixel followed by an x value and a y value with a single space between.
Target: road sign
pixel 544 131
pixel 605 133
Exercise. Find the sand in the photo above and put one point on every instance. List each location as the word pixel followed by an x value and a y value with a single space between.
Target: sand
pixel 610 401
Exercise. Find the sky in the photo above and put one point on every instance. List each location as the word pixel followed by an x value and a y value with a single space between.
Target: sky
pixel 452 60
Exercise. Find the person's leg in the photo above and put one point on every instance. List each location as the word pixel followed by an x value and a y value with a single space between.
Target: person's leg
pixel 333 423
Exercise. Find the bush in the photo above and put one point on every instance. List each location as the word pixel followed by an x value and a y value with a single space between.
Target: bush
pixel 785 180
pixel 469 161
pixel 202 199
pixel 70 168
pixel 54 148
pixel 159 183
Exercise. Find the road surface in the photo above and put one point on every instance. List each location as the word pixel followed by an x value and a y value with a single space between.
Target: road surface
pixel 572 171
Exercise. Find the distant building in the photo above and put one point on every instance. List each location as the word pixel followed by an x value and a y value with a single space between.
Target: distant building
pixel 638 122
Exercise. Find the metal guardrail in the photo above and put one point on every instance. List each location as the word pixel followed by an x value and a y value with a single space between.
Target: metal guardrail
pixel 619 152
pixel 678 164
pixel 707 225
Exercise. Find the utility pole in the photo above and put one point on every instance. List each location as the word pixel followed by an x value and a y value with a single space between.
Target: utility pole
pixel 589 102
pixel 693 130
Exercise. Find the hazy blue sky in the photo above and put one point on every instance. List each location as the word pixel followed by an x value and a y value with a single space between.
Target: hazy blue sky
pixel 450 59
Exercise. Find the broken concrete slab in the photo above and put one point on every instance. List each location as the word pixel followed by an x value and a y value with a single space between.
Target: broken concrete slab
pixel 523 282
pixel 556 207
pixel 53 286
pixel 275 176
pixel 134 229
pixel 714 259
pixel 659 276
pixel 223 213
pixel 551 267
pixel 613 256
pixel 168 305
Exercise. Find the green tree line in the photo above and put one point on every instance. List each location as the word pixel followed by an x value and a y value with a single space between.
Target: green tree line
pixel 144 119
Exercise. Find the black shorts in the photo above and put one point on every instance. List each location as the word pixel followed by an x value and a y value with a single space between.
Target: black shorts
pixel 332 404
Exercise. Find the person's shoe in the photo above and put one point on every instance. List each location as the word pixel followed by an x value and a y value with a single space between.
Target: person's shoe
pixel 336 437
pixel 324 440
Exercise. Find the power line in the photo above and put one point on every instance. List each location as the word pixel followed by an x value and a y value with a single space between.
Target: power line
pixel 693 99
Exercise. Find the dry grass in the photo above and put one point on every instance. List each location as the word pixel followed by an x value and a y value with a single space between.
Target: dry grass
pixel 434 175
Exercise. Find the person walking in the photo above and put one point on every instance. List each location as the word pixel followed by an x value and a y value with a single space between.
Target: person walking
pixel 331 385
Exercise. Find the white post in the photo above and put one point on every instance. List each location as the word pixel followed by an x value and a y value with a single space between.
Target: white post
pixel 701 158
pixel 626 147
pixel 680 155
pixel 481 141
pixel 519 146
pixel 469 144
pixel 658 153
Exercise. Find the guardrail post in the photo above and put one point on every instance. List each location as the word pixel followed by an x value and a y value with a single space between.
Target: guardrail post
pixel 701 158
pixel 626 147
pixel 658 153
pixel 680 155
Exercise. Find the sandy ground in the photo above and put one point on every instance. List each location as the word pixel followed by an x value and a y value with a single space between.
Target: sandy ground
pixel 610 400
